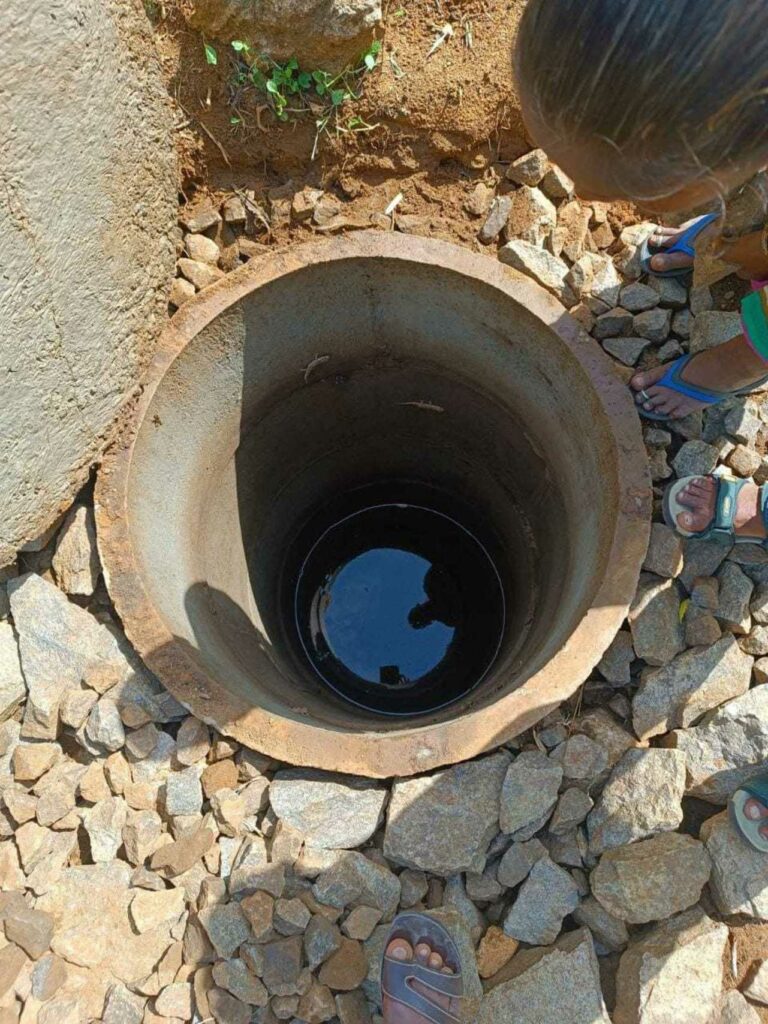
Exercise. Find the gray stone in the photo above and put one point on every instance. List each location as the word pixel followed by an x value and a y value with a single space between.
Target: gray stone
pixel 756 642
pixel 572 808
pixel 356 881
pixel 642 797
pixel 616 323
pixel 529 793
pixel 672 293
pixel 104 727
pixel 60 645
pixel 183 792
pixel 31 930
pixel 225 1009
pixel 496 220
pixel 321 938
pixel 701 299
pixel 200 218
pixel 682 323
pixel 653 324
pixel 757 983
pixel 530 168
pixel 734 597
pixel 291 916
pixel 13 689
pixel 739 882
pixel 546 897
pixel 104 824
pixel 547 270
pixel 614 666
pixel 331 811
pixel 665 552
pixel 227 927
pixel 673 972
pixel 557 983
pixel 455 898
pixel 608 930
pixel 701 627
pixel 736 1010
pixel 181 290
pixel 758 605
pixel 557 184
pixel 654 620
pixel 150 909
pixel 76 560
pixel 742 423
pixel 695 682
pixel 192 741
pixel 517 862
pixel 712 328
pixel 583 759
pixel 122 1006
pixel 532 217
pixel 252 871
pixel 443 823
pixel 695 458
pixel 282 965
pixel 202 248
pixel 414 887
pixel 626 350
pixel 728 748
pixel 652 879
pixel 638 297
pixel 235 977
pixel 702 558
pixel 484 888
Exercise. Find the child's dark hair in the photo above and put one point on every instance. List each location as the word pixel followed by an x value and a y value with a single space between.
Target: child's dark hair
pixel 678 89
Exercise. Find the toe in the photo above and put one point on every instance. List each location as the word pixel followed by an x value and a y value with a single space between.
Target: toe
pixel 670 261
pixel 435 961
pixel 755 810
pixel 399 949
pixel 423 953
pixel 763 832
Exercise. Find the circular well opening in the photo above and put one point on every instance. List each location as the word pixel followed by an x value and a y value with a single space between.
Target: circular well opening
pixel 345 376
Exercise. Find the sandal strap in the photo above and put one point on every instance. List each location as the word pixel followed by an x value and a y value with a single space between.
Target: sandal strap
pixel 673 379
pixel 404 971
pixel 683 244
pixel 722 528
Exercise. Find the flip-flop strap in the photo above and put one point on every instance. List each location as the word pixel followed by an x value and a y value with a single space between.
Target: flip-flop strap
pixel 758 788
pixel 443 984
pixel 683 244
pixel 673 380
pixel 396 984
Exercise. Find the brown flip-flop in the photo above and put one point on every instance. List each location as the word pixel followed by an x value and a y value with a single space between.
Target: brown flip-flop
pixel 397 976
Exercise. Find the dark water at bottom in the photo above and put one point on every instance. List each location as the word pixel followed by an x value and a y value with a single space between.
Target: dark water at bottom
pixel 398 608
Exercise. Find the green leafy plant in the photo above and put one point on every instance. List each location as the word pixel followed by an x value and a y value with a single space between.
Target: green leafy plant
pixel 292 91
pixel 211 56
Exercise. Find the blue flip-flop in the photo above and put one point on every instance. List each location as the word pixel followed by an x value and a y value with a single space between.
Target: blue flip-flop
pixel 683 244
pixel 757 789
pixel 673 380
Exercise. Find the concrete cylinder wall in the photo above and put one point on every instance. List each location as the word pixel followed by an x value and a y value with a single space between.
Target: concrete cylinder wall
pixel 370 358
pixel 87 209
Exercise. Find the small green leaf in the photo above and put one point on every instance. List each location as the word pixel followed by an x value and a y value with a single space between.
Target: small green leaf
pixel 210 54
pixel 305 80
pixel 273 87
pixel 235 120
pixel 239 46
pixel 338 96
pixel 293 64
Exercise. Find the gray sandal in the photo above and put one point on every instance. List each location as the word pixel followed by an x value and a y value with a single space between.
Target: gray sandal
pixel 397 976
pixel 721 529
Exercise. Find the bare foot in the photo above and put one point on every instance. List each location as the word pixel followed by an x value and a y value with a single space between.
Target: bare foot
pixel 728 367
pixel 699 498
pixel 396 1013
pixel 755 810
pixel 666 237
